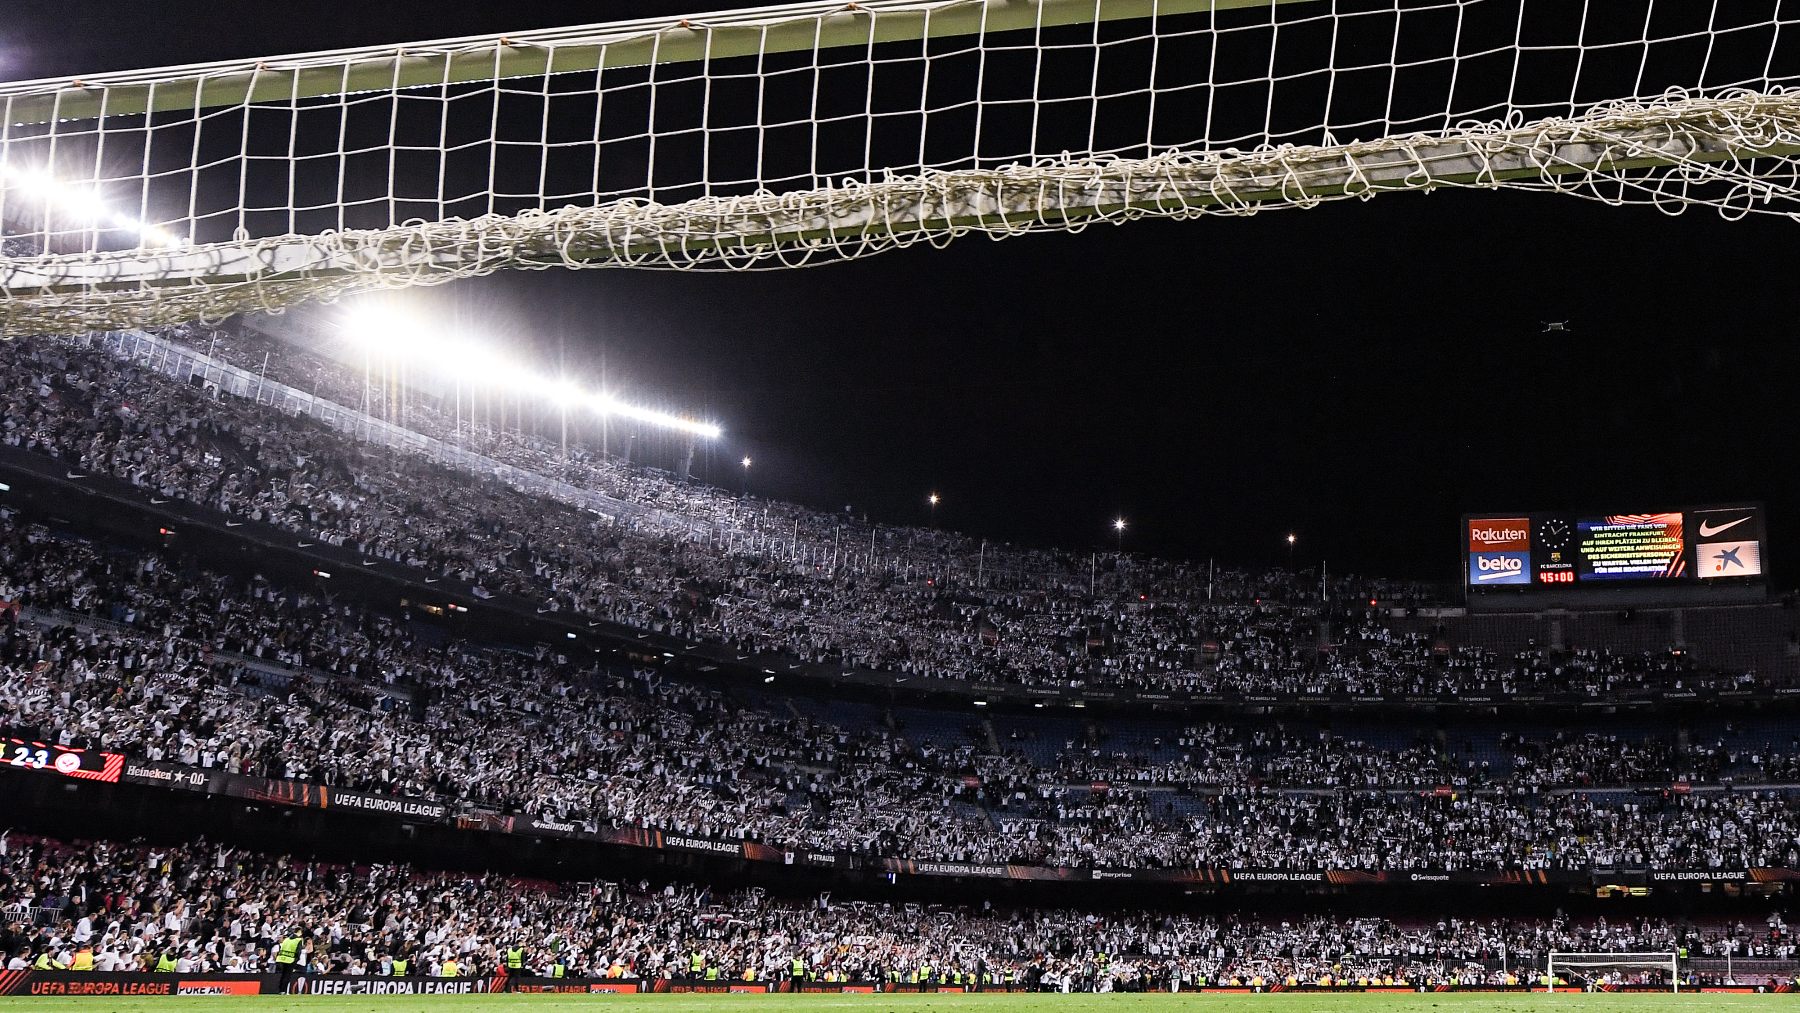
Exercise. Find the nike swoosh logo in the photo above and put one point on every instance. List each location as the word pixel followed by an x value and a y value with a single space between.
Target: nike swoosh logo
pixel 1707 530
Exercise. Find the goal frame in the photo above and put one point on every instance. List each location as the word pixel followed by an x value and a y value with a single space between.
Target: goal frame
pixel 1670 959
pixel 242 244
pixel 749 31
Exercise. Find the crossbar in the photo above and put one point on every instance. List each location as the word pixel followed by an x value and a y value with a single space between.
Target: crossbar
pixel 724 35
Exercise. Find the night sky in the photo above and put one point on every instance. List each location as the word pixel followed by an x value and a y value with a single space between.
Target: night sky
pixel 1361 374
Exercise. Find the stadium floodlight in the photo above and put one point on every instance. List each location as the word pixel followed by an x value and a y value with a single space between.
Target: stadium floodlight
pixel 606 404
pixel 1119 524
pixel 474 364
pixel 564 394
pixel 392 334
pixel 385 331
pixel 80 205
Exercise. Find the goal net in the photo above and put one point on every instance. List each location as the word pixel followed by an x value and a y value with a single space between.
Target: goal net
pixel 815 132
pixel 1600 971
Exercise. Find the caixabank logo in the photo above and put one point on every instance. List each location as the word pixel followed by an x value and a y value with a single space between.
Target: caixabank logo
pixel 1487 569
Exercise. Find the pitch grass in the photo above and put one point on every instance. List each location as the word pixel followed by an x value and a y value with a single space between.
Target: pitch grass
pixel 950 1003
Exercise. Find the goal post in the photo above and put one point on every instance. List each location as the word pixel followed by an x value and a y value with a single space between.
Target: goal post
pixel 1592 968
pixel 821 131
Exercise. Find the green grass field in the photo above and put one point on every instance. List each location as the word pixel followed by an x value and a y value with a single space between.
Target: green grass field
pixel 1295 1003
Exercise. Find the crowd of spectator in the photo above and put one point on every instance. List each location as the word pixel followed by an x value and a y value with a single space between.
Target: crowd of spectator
pixel 696 562
pixel 205 907
pixel 146 654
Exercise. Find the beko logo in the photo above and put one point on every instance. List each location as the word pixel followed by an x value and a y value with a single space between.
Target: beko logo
pixel 1487 568
pixel 1498 566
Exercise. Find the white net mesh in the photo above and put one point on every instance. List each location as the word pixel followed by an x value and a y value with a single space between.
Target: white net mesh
pixel 1600 971
pixel 799 135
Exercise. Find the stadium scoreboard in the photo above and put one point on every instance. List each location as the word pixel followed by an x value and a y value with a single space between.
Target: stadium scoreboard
pixel 50 758
pixel 1571 551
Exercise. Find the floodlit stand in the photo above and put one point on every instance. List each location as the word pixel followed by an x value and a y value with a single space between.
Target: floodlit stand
pixel 1591 963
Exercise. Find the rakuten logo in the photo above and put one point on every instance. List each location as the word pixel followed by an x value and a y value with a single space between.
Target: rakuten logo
pixel 1504 534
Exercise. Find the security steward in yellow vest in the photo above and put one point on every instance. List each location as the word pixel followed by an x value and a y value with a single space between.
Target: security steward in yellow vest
pixel 287 959
pixel 46 962
pixel 515 967
pixel 83 959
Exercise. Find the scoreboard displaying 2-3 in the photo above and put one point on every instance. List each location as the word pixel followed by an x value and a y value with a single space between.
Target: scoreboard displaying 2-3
pixel 1574 550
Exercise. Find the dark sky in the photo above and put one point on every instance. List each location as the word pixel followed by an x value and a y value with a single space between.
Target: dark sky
pixel 1361 374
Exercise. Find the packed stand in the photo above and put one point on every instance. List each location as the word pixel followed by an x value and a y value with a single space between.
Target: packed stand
pixel 147 655
pixel 760 576
pixel 204 907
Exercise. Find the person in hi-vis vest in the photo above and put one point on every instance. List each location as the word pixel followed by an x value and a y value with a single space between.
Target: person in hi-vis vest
pixel 288 955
